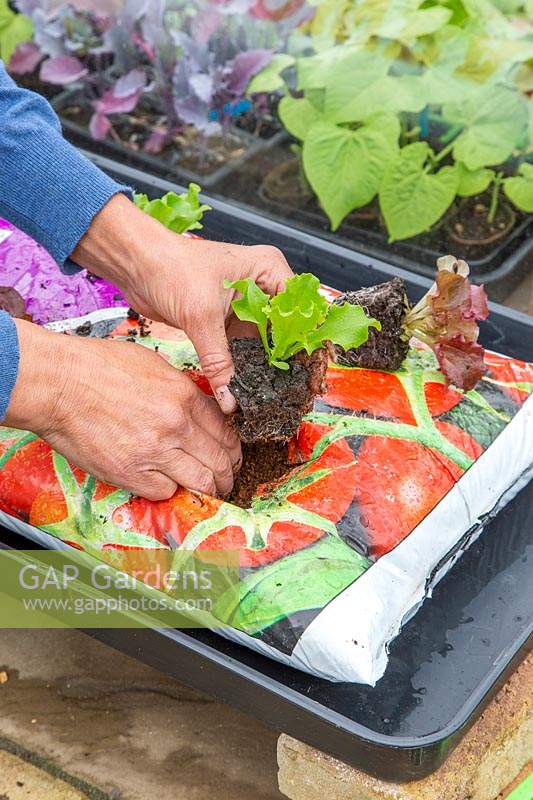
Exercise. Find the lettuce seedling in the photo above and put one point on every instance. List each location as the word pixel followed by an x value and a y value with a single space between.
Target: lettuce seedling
pixel 299 318
pixel 446 319
pixel 177 212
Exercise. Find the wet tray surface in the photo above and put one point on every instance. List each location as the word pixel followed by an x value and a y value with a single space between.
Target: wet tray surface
pixel 448 660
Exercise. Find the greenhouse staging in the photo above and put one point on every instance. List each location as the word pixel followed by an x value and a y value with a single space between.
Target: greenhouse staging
pixel 266 427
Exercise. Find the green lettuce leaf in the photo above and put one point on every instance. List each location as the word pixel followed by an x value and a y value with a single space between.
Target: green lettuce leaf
pixel 299 318
pixel 293 314
pixel 251 306
pixel 177 212
pixel 345 325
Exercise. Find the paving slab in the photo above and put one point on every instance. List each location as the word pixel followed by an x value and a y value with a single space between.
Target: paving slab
pixel 125 728
pixel 22 781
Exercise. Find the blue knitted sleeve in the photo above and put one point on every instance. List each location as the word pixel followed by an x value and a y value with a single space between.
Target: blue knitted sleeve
pixel 47 188
pixel 9 360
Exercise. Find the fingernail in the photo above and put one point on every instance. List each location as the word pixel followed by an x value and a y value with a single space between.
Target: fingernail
pixel 225 399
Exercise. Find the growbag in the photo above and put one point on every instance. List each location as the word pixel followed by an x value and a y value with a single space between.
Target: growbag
pixel 393 477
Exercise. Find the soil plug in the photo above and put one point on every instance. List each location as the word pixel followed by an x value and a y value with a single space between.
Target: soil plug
pixel 278 375
pixel 445 319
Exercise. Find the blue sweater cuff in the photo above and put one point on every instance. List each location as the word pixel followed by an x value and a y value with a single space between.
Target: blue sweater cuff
pixel 9 360
pixel 47 188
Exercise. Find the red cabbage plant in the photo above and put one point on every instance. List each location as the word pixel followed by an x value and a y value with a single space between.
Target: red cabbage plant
pixel 219 49
pixel 180 66
pixel 98 57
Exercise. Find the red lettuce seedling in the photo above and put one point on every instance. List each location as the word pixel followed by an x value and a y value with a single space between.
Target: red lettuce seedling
pixel 445 319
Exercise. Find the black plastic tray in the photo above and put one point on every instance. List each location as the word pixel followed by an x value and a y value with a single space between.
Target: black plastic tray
pixel 500 270
pixel 79 136
pixel 448 661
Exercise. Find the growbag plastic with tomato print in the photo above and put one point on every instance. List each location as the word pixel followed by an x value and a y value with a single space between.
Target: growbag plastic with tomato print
pixel 394 476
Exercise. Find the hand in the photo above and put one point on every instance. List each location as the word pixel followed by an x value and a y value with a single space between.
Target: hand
pixel 121 413
pixel 179 280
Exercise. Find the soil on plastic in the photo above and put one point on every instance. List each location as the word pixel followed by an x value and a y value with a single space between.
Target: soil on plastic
pixel 272 401
pixel 262 464
pixel 387 348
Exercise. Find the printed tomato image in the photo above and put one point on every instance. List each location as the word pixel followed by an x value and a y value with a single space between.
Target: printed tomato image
pixel 200 380
pixel 28 473
pixel 283 538
pixel 399 482
pixel 30 487
pixel 331 495
pixel 403 463
pixel 514 377
pixel 323 488
pixel 166 519
pixel 440 398
pixel 48 507
pixel 380 394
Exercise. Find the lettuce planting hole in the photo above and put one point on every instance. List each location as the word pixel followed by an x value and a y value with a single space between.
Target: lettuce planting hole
pixel 262 465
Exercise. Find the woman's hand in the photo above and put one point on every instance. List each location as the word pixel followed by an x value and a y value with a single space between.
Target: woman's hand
pixel 121 413
pixel 179 280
